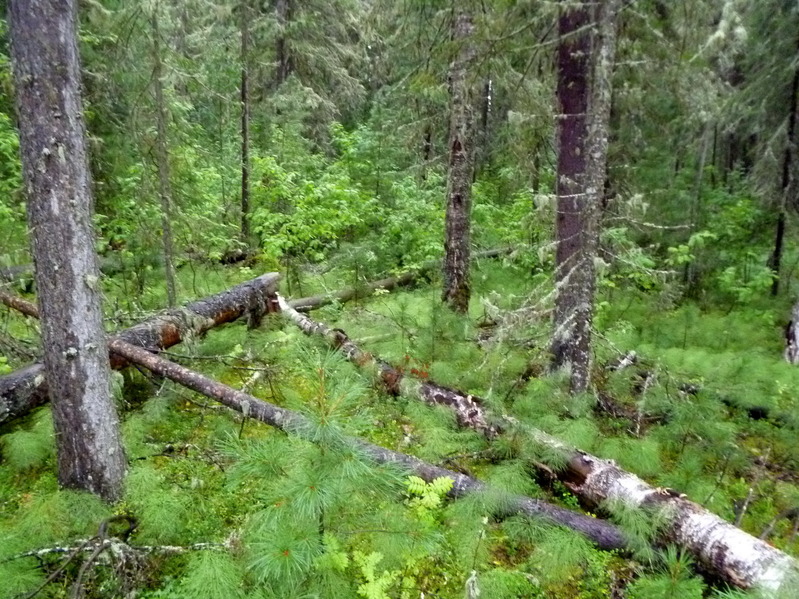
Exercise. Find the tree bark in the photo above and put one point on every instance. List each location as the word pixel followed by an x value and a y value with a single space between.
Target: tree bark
pixel 605 535
pixel 456 291
pixel 245 122
pixel 24 389
pixel 719 546
pixel 285 66
pixel 788 183
pixel 162 157
pixel 582 162
pixel 59 205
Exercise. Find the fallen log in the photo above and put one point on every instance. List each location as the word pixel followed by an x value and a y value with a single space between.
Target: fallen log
pixel 720 547
pixel 367 289
pixel 603 534
pixel 26 388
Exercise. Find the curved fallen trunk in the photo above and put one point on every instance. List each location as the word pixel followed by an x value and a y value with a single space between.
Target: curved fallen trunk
pixel 24 389
pixel 722 548
pixel 603 534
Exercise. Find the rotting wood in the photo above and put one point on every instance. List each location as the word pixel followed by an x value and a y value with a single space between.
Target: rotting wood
pixel 24 389
pixel 408 278
pixel 734 555
pixel 603 534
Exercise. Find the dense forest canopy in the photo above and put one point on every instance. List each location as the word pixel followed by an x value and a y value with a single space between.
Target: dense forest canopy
pixel 536 328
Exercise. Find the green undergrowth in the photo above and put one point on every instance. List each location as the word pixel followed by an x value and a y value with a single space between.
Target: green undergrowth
pixel 263 514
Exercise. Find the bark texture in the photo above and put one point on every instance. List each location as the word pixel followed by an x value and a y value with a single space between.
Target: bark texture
pixel 605 535
pixel 162 158
pixel 585 100
pixel 59 205
pixel 285 64
pixel 788 185
pixel 722 548
pixel 245 121
pixel 24 389
pixel 457 235
pixel 467 408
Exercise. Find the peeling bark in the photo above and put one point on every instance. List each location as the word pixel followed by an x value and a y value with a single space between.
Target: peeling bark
pixel 584 99
pixel 722 548
pixel 23 390
pixel 603 534
pixel 467 408
pixel 456 291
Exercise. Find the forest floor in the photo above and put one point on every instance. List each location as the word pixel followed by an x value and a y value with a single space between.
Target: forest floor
pixel 709 409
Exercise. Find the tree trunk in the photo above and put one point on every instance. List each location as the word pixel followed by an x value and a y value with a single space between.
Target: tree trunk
pixel 723 549
pixel 788 184
pixel 605 535
pixel 285 65
pixel 456 290
pixel 162 157
pixel 23 390
pixel 245 122
pixel 582 161
pixel 59 205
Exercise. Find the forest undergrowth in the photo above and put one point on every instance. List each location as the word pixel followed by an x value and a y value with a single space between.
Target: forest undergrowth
pixel 226 507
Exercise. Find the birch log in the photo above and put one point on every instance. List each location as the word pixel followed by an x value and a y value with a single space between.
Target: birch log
pixel 603 534
pixel 722 548
pixel 24 389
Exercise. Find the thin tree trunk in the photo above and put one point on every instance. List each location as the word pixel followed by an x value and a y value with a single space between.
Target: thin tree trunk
pixel 285 64
pixel 582 161
pixel 162 157
pixel 456 291
pixel 732 554
pixel 24 389
pixel 788 185
pixel 245 122
pixel 605 535
pixel 59 205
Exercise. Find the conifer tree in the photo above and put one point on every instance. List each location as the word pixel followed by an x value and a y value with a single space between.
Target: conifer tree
pixel 587 38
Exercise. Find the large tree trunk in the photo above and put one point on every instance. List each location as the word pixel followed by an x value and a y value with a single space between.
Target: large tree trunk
pixel 59 204
pixel 23 390
pixel 723 549
pixel 456 290
pixel 162 157
pixel 605 535
pixel 245 121
pixel 582 160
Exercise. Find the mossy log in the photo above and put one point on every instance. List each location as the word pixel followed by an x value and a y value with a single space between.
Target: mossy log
pixel 24 389
pixel 720 547
pixel 603 534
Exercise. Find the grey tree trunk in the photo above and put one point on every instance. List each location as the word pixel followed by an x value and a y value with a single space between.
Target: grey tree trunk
pixel 59 203
pixel 456 290
pixel 162 157
pixel 245 122
pixel 582 161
